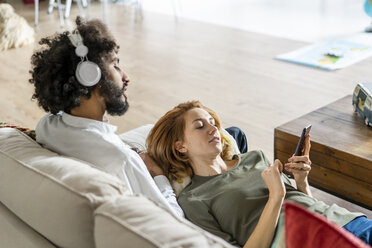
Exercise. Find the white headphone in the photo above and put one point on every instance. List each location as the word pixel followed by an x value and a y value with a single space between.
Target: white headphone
pixel 87 72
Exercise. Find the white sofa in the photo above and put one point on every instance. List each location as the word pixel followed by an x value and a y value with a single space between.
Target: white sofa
pixel 49 200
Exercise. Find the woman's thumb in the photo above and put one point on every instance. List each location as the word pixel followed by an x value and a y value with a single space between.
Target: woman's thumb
pixel 307 145
pixel 279 165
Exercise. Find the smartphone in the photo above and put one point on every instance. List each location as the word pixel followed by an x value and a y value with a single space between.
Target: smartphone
pixel 300 144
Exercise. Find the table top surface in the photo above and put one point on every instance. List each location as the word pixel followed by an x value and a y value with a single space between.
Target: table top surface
pixel 337 126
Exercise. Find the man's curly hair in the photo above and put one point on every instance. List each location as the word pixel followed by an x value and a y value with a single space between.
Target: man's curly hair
pixel 54 65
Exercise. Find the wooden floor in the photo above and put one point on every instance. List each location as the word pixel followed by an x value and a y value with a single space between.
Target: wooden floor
pixel 231 71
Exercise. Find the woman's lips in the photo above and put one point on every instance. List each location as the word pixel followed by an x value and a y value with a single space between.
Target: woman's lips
pixel 215 139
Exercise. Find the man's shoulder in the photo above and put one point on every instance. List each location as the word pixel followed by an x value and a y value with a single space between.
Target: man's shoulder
pixel 48 118
pixel 45 122
pixel 75 137
pixel 54 128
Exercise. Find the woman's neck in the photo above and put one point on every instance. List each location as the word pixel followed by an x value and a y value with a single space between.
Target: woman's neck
pixel 211 166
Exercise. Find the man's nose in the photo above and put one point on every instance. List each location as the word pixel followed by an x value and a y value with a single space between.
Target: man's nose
pixel 125 78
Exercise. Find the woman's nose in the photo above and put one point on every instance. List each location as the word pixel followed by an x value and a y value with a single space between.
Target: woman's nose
pixel 213 129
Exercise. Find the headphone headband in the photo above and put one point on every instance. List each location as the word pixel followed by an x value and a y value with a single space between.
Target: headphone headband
pixel 76 38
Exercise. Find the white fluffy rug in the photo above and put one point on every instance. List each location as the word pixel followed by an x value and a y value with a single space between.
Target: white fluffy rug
pixel 14 29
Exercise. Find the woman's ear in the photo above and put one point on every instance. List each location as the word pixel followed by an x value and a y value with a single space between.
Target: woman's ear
pixel 179 147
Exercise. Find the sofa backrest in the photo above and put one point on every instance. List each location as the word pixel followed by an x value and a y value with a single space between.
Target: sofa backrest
pixel 73 204
pixel 55 195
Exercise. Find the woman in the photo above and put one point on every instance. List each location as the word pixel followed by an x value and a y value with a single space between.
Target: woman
pixel 238 199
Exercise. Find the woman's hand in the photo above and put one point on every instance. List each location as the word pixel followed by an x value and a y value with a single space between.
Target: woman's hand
pixel 151 165
pixel 264 231
pixel 300 167
pixel 273 180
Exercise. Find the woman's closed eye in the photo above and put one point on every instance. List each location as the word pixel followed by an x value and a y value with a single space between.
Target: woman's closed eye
pixel 199 125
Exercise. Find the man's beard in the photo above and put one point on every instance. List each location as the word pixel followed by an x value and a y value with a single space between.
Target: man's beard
pixel 112 94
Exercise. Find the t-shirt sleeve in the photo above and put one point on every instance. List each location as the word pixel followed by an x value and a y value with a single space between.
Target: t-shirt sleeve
pixel 198 213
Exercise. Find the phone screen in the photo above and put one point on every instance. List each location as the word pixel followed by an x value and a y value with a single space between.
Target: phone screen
pixel 300 144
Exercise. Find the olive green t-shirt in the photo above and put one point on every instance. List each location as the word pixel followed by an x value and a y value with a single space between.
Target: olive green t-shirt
pixel 230 204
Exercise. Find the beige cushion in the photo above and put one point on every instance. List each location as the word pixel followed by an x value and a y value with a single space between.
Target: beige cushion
pixel 139 222
pixel 136 138
pixel 53 194
pixel 15 233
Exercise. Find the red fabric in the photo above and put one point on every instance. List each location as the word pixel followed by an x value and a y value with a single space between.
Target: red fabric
pixel 307 230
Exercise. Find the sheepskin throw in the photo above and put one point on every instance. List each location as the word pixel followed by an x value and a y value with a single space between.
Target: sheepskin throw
pixel 14 29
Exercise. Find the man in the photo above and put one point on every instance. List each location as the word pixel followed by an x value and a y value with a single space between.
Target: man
pixel 77 78
pixel 77 86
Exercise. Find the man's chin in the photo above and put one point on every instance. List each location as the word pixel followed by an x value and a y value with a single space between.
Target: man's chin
pixel 117 110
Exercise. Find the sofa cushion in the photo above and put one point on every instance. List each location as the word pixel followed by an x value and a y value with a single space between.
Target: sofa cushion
pixel 140 222
pixel 36 182
pixel 314 230
pixel 136 138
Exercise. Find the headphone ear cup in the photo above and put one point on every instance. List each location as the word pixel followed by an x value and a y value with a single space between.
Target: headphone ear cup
pixel 88 73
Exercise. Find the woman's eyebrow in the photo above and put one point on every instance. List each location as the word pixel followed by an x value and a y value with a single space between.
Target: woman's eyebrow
pixel 198 119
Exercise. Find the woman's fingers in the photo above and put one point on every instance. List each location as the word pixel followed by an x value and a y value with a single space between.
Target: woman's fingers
pixel 302 166
pixel 300 159
pixel 298 166
pixel 152 166
pixel 273 179
pixel 278 165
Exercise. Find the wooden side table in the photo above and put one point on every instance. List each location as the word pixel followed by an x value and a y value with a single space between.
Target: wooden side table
pixel 341 150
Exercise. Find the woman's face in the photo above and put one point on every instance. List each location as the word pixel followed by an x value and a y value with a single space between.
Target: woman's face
pixel 201 136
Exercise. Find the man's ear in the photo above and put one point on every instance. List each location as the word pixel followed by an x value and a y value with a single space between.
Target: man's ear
pixel 179 147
